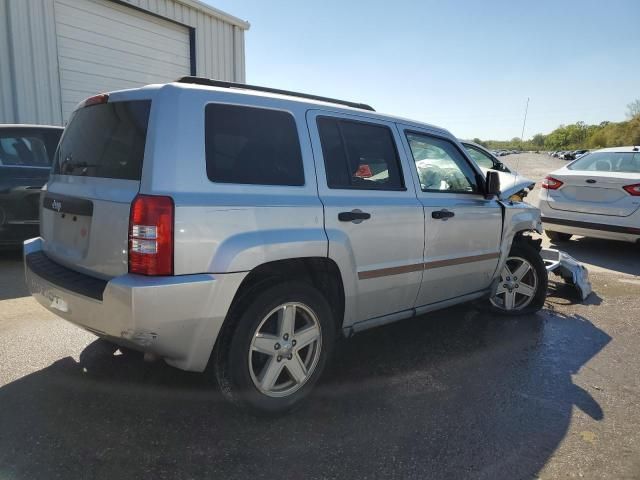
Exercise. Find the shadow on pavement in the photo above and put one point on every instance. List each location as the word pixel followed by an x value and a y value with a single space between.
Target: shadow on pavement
pixel 456 394
pixel 12 283
pixel 561 293
pixel 619 256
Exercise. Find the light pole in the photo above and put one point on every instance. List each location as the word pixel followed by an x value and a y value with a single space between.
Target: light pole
pixel 526 109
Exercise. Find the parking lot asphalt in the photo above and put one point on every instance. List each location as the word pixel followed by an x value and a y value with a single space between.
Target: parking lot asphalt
pixel 455 394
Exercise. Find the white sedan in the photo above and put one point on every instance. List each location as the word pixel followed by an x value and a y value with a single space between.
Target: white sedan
pixel 597 195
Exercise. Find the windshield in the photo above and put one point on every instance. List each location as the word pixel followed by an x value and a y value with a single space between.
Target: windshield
pixel 624 162
pixel 482 159
pixel 105 140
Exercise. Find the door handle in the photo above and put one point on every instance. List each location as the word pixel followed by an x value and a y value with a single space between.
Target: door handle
pixel 442 214
pixel 355 216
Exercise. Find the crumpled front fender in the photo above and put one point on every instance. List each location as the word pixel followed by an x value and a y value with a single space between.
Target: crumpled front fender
pixel 517 217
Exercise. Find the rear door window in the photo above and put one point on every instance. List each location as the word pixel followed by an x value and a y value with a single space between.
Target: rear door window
pixel 249 145
pixel 105 140
pixel 359 155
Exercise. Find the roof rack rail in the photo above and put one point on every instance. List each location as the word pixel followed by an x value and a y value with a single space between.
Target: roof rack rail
pixel 244 86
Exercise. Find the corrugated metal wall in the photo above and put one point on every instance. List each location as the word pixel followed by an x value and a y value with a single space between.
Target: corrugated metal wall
pixel 6 104
pixel 105 46
pixel 219 43
pixel 29 81
pixel 29 71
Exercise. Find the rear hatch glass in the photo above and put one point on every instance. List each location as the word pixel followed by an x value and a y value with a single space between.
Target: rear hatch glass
pixel 96 175
pixel 105 140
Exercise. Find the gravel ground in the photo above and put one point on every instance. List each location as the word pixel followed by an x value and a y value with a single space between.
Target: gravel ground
pixel 455 394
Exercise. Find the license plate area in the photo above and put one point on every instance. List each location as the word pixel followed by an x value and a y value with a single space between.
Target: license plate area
pixel 593 194
pixel 66 224
pixel 71 233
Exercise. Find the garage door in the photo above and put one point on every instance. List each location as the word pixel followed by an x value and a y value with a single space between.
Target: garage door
pixel 105 46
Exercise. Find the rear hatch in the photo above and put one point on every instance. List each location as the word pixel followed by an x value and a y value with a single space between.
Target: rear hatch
pixel 96 175
pixel 594 192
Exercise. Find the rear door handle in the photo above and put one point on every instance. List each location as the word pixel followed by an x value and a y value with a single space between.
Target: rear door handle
pixel 355 216
pixel 442 214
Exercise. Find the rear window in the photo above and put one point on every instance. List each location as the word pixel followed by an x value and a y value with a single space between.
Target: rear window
pixel 23 151
pixel 105 140
pixel 250 145
pixel 624 162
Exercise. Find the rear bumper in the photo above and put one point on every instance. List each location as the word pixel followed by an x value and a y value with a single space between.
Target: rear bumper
pixel 600 227
pixel 589 225
pixel 177 318
pixel 609 227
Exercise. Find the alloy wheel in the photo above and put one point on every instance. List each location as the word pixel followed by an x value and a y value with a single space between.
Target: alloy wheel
pixel 518 285
pixel 285 349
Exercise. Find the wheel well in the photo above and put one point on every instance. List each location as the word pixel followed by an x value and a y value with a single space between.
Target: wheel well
pixel 524 236
pixel 321 272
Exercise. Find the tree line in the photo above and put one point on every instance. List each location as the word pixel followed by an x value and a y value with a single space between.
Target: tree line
pixel 579 135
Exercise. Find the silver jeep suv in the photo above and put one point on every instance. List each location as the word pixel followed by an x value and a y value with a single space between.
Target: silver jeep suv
pixel 244 228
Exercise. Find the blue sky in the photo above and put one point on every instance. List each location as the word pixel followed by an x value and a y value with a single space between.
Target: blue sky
pixel 466 66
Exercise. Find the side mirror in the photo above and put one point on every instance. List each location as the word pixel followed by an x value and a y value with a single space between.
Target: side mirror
pixel 492 184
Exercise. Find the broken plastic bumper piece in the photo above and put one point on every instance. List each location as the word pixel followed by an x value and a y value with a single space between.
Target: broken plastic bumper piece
pixel 567 267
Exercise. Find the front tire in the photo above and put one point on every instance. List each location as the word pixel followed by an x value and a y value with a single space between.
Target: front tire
pixel 523 282
pixel 275 347
pixel 558 236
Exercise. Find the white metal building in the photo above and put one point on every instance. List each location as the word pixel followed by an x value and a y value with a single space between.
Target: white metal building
pixel 55 53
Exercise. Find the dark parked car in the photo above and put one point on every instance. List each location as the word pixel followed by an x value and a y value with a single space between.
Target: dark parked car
pixel 26 152
pixel 572 155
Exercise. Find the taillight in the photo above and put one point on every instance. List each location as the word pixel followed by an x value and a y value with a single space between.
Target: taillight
pixel 551 183
pixel 633 189
pixel 151 235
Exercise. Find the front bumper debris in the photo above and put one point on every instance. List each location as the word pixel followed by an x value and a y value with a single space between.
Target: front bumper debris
pixel 567 267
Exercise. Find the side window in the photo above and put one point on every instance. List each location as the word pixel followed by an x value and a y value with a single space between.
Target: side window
pixel 441 167
pixel 23 151
pixel 252 146
pixel 358 155
pixel 482 159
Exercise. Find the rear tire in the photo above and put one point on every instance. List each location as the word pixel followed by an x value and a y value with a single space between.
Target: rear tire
pixel 523 282
pixel 558 236
pixel 258 364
